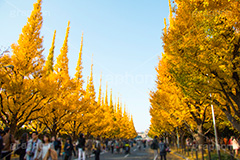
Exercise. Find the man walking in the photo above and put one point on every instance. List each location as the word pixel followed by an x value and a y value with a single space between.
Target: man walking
pixel 162 147
pixel 8 140
pixel 1 142
pixel 34 147
pixel 155 147
pixel 89 144
pixel 81 147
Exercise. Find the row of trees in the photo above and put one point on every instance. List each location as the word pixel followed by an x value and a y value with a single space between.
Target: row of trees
pixel 41 95
pixel 200 67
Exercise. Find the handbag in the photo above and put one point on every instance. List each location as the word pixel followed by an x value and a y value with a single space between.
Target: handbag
pixel 53 154
pixel 168 149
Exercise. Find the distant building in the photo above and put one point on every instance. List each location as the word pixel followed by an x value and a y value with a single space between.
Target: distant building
pixel 144 134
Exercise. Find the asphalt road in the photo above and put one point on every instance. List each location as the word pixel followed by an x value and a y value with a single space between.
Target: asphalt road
pixel 134 155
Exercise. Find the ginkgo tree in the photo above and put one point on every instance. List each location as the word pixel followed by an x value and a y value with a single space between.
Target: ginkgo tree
pixel 22 82
pixel 202 44
pixel 41 95
pixel 200 67
pixel 172 109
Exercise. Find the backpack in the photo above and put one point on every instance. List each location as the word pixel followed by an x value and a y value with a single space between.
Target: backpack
pixel 152 146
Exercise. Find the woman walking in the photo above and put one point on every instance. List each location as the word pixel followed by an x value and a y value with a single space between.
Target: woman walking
pixel 97 149
pixel 235 146
pixel 68 149
pixel 81 147
pixel 23 146
pixel 46 146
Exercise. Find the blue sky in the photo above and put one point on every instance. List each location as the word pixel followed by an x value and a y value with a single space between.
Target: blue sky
pixel 123 36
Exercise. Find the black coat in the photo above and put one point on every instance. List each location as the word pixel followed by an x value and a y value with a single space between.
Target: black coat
pixel 162 147
pixel 70 150
pixel 155 144
pixel 57 144
pixel 1 144
pixel 81 143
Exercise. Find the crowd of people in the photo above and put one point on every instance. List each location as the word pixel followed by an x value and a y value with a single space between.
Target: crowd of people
pixel 231 144
pixel 50 148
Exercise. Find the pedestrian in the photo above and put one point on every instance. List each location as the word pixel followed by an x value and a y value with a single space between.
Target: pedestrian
pixel 60 146
pixel 106 143
pixel 121 145
pixel 45 147
pixel 131 143
pixel 139 145
pixel 112 146
pixel 117 146
pixel 230 143
pixel 1 142
pixel 57 145
pixel 81 147
pixel 109 145
pixel 21 148
pixel 162 148
pixel 8 140
pixel 235 145
pixel 89 145
pixel 144 144
pixel 154 146
pixel 97 149
pixel 33 147
pixel 127 147
pixel 68 149
pixel 225 141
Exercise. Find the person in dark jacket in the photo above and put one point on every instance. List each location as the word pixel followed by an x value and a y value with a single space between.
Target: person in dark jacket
pixel 8 140
pixel 68 149
pixel 1 142
pixel 112 146
pixel 57 145
pixel 155 147
pixel 162 148
pixel 23 146
pixel 81 147
pixel 97 149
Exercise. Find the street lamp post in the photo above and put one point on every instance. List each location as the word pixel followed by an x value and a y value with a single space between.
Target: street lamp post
pixel 215 131
pixel 215 128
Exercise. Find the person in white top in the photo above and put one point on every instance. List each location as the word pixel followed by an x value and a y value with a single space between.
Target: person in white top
pixel 235 145
pixel 46 146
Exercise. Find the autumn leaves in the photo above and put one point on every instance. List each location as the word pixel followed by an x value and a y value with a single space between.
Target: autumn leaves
pixel 41 95
pixel 201 56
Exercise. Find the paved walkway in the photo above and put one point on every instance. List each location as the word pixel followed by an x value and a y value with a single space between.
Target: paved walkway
pixel 134 155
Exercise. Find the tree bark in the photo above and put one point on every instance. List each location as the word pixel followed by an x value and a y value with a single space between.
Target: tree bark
pixel 199 138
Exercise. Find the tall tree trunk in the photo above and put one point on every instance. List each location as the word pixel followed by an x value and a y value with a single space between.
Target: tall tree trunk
pixel 199 138
pixel 182 134
pixel 13 127
pixel 54 130
pixel 233 120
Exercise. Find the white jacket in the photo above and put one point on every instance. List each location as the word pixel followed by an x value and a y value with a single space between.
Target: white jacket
pixel 37 150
